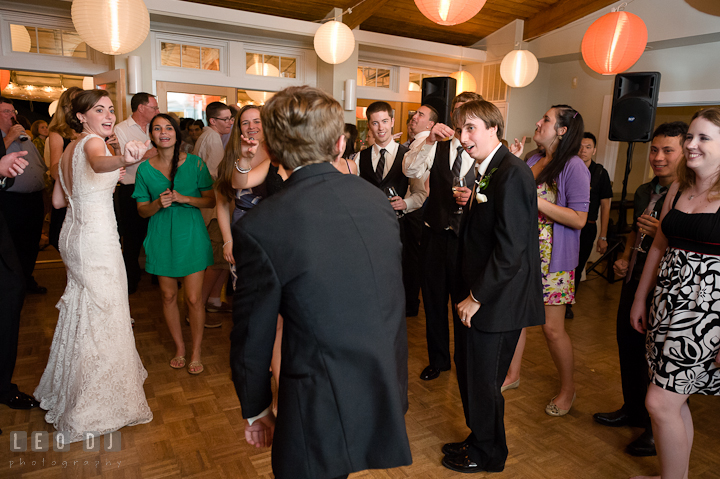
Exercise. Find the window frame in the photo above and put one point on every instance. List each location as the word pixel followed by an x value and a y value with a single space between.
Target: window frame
pixel 191 41
pixel 393 76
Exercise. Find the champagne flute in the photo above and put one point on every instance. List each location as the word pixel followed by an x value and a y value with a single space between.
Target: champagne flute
pixel 640 249
pixel 458 182
pixel 392 193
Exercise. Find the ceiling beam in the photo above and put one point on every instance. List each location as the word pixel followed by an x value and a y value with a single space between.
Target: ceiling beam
pixel 362 12
pixel 559 15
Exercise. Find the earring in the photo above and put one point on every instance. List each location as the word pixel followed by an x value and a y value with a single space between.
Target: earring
pixel 559 137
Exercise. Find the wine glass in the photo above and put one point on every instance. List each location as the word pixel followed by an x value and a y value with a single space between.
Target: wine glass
pixel 392 193
pixel 640 249
pixel 458 182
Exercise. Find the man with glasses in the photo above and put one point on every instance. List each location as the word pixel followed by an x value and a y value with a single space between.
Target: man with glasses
pixel 22 203
pixel 131 226
pixel 210 148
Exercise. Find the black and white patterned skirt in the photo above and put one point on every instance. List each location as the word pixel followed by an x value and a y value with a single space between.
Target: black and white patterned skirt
pixel 683 337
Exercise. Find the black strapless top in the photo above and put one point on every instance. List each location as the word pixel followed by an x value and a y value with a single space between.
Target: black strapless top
pixel 697 232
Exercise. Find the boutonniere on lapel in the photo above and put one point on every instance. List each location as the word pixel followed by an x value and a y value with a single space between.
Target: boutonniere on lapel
pixel 482 185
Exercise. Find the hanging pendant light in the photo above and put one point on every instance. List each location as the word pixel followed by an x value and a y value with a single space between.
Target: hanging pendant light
pixel 519 68
pixel 113 27
pixel 334 42
pixel 614 42
pixel 449 12
pixel 465 81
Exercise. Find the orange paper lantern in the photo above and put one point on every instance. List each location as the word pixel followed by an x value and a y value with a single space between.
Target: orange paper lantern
pixel 614 42
pixel 4 79
pixel 449 12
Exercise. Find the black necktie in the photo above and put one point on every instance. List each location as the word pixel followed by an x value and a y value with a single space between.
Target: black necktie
pixel 381 165
pixel 458 162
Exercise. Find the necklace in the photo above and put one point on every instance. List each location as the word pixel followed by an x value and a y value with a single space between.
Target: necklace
pixel 700 194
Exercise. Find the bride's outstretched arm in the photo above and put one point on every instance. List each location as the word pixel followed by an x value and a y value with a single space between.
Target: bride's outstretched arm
pixel 100 163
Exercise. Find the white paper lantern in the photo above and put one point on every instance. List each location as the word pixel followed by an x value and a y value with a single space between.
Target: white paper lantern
pixel 519 68
pixel 334 42
pixel 20 38
pixel 465 81
pixel 113 27
pixel 412 86
pixel 52 108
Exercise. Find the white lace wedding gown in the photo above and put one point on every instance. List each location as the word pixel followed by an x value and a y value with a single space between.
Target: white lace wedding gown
pixel 94 377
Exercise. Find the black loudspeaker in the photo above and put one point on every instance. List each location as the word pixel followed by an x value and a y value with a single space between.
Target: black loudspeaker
pixel 635 99
pixel 438 92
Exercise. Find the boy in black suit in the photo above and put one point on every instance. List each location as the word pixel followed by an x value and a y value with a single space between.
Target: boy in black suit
pixel 500 279
pixel 325 253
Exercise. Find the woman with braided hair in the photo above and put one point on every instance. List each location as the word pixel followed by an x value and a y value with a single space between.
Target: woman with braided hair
pixel 170 188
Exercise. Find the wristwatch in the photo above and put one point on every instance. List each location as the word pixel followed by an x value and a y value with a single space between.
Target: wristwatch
pixel 604 238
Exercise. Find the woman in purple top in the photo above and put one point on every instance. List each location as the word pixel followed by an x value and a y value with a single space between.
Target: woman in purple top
pixel 563 184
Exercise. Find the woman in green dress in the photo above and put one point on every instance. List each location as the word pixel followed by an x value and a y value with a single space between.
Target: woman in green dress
pixel 169 189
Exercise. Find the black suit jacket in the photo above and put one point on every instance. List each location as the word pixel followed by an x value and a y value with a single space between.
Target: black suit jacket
pixel 500 251
pixel 326 254
pixel 12 296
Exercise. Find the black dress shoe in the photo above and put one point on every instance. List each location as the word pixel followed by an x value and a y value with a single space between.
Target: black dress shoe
pixel 455 448
pixel 431 372
pixel 643 446
pixel 569 312
pixel 462 463
pixel 613 419
pixel 20 401
pixel 411 313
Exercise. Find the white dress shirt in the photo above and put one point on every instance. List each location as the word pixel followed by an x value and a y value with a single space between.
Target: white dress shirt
pixel 416 194
pixel 482 167
pixel 209 147
pixel 391 148
pixel 419 161
pixel 127 131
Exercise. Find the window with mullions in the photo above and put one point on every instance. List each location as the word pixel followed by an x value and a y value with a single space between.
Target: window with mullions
pixel 47 41
pixel 271 65
pixel 374 77
pixel 189 56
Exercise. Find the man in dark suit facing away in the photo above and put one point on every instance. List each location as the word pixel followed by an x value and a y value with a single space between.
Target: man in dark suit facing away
pixel 499 262
pixel 12 291
pixel 325 253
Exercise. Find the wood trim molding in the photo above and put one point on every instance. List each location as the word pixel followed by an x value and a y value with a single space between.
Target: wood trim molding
pixel 559 15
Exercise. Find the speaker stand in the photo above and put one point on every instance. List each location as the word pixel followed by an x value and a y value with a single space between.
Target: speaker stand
pixel 623 226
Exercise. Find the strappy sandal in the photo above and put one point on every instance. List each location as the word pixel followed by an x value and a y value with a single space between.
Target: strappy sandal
pixel 178 362
pixel 195 367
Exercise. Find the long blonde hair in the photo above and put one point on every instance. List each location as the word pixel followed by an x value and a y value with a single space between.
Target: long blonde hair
pixel 59 124
pixel 686 176
pixel 223 184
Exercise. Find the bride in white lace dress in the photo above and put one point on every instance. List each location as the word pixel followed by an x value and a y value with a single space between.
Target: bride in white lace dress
pixel 94 377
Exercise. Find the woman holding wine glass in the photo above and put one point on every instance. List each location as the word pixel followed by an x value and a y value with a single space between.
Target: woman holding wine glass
pixel 683 268
pixel 563 183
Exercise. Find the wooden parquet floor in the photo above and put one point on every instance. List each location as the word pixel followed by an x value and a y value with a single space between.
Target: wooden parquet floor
pixel 197 429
